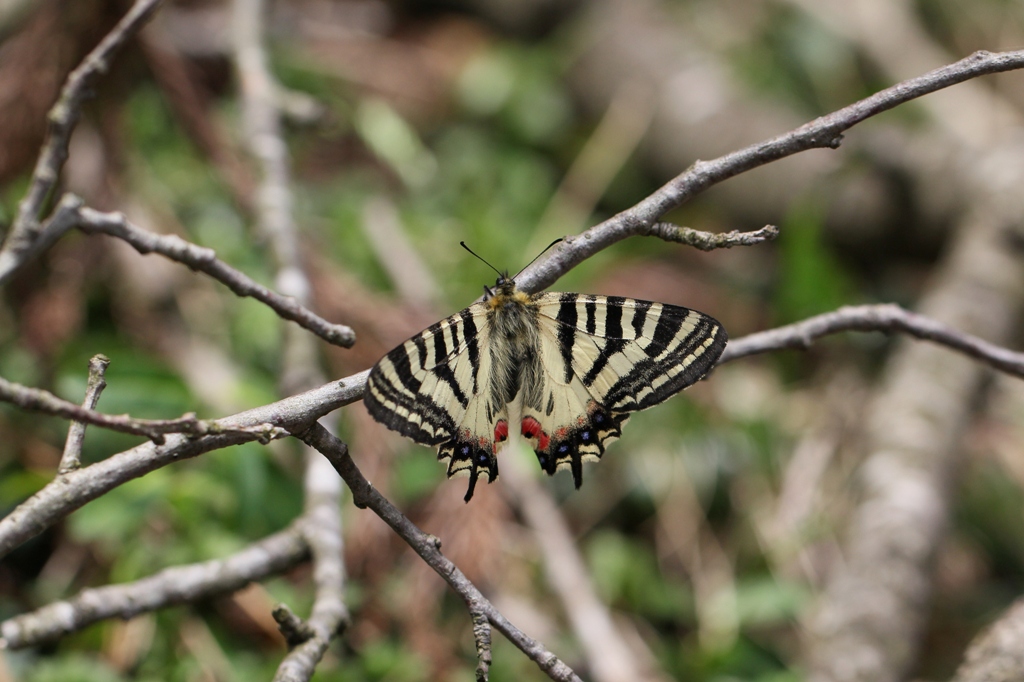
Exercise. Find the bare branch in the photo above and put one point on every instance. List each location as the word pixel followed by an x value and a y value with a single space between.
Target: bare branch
pixel 22 242
pixel 72 457
pixel 153 429
pixel 272 555
pixel 205 260
pixel 70 491
pixel 428 548
pixel 70 213
pixel 709 241
pixel 886 318
pixel 823 132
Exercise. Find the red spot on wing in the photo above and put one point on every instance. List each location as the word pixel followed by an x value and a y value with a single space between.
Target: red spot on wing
pixel 532 429
pixel 500 431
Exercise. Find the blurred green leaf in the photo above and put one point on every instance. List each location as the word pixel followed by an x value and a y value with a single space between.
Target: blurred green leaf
pixel 811 280
pixel 395 142
pixel 762 601
pixel 626 574
pixel 72 668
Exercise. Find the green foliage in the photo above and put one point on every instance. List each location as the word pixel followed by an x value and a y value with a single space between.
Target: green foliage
pixel 811 279
pixel 627 575
pixel 73 668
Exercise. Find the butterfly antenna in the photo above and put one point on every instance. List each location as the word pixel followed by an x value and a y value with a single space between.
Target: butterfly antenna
pixel 546 249
pixel 481 259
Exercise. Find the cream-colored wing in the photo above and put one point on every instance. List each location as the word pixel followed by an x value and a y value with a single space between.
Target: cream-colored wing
pixel 431 388
pixel 606 357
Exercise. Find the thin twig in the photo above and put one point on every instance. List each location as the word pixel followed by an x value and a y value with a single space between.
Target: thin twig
pixel 428 547
pixel 272 555
pixel 70 491
pixel 205 260
pixel 821 133
pixel 71 213
pixel 709 241
pixel 153 429
pixel 22 241
pixel 886 318
pixel 71 459
pixel 329 617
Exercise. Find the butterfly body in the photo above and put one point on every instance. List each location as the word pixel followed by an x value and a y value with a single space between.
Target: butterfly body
pixel 561 370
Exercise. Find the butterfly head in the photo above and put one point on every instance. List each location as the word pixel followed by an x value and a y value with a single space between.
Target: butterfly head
pixel 504 293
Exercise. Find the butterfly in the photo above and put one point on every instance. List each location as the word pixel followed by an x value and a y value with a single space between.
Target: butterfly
pixel 562 370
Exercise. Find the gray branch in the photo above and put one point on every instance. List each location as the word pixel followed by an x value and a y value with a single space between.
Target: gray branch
pixel 153 429
pixel 178 585
pixel 71 214
pixel 24 239
pixel 70 491
pixel 428 548
pixel 205 260
pixel 71 459
pixel 822 133
pixel 75 489
pixel 888 318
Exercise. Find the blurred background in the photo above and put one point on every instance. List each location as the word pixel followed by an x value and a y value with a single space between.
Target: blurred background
pixel 713 525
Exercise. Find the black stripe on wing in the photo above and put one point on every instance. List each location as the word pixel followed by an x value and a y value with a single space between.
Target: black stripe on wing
pixel 673 362
pixel 666 348
pixel 394 392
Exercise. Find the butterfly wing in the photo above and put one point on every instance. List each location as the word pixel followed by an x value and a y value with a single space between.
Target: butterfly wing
pixel 606 357
pixel 427 389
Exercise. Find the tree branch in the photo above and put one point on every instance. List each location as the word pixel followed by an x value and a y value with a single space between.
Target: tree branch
pixel 153 429
pixel 205 260
pixel 70 491
pixel 24 238
pixel 887 318
pixel 71 459
pixel 821 133
pixel 272 555
pixel 71 213
pixel 428 548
